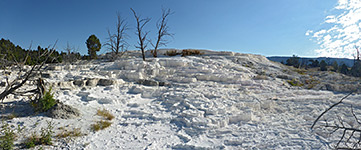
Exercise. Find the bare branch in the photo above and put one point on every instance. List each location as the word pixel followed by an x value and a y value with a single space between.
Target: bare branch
pixel 20 80
pixel 354 115
pixel 343 135
pixel 142 36
pixel 117 42
pixel 314 123
pixel 163 31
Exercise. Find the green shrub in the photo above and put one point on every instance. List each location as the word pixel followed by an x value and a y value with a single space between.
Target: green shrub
pixel 8 136
pixel 31 141
pixel 46 102
pixel 45 137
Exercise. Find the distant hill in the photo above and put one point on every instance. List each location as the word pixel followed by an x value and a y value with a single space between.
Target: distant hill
pixel 340 61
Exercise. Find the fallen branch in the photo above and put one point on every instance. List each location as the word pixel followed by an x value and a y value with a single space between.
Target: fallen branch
pixel 15 84
pixel 328 109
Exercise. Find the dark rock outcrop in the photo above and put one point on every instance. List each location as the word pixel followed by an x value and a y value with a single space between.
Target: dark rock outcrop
pixel 62 111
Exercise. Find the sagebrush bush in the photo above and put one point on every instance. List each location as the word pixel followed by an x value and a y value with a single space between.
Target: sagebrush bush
pixel 46 102
pixel 189 52
pixel 171 53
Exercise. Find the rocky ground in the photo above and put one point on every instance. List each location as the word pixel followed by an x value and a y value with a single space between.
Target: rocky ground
pixel 218 100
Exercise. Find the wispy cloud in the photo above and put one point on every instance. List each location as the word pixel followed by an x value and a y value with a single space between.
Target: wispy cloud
pixel 342 31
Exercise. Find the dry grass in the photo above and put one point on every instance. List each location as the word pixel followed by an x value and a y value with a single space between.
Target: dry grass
pixel 72 133
pixel 301 71
pixel 295 82
pixel 105 113
pixel 100 125
pixel 9 117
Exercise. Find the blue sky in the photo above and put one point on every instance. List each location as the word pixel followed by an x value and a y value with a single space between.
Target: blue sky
pixel 267 27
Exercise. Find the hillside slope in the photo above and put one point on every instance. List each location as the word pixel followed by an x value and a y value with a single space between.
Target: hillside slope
pixel 219 100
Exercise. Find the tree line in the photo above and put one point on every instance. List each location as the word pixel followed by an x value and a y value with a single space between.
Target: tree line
pixel 11 54
pixel 355 70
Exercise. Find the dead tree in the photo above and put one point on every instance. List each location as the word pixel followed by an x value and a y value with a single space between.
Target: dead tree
pixel 163 31
pixel 69 51
pixel 25 75
pixel 350 133
pixel 142 36
pixel 357 53
pixel 116 42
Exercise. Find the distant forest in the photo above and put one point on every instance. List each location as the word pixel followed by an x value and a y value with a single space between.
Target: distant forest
pixel 345 66
pixel 11 54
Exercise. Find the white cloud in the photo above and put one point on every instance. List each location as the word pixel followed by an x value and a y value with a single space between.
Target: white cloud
pixel 309 32
pixel 342 4
pixel 330 19
pixel 339 39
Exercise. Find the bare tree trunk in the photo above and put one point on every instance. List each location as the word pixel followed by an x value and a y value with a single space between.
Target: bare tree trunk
pixel 68 50
pixel 142 36
pixel 162 27
pixel 116 42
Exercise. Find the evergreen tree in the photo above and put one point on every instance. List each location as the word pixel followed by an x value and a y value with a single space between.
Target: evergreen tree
pixel 344 69
pixel 10 54
pixel 314 63
pixel 93 45
pixel 335 66
pixel 293 61
pixel 356 69
pixel 323 65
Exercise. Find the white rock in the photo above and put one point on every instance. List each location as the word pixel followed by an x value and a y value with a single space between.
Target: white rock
pixel 172 63
pixel 241 117
pixel 132 76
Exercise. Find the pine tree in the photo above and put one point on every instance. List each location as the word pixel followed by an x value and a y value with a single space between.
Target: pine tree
pixel 335 66
pixel 93 45
pixel 293 61
pixel 356 69
pixel 344 69
pixel 323 65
